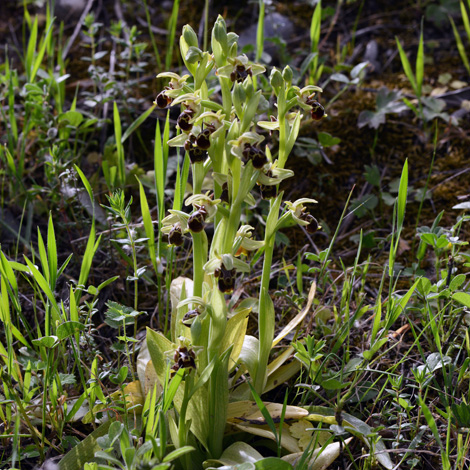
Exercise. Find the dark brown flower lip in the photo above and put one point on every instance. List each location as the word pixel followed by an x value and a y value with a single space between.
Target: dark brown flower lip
pixel 196 221
pixel 183 120
pixel 318 111
pixel 162 100
pixel 225 279
pixel 184 358
pixel 175 237
pixel 240 73
pixel 255 154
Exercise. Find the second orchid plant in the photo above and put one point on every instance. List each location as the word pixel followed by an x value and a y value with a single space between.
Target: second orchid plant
pixel 208 338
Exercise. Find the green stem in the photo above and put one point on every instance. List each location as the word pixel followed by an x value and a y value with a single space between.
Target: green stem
pixel 265 323
pixel 182 432
pixel 198 263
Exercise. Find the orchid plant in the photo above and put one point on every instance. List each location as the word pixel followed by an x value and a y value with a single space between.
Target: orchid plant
pixel 209 349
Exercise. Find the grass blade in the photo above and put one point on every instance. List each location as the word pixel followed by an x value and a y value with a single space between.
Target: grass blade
pixel 402 193
pixel 460 46
pixel 137 123
pixel 407 67
pixel 159 165
pixel 260 32
pixel 119 148
pixel 52 253
pixel 171 37
pixel 148 225
pixel 420 65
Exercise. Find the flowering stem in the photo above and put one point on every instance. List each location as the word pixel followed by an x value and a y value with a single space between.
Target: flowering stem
pixel 265 318
pixel 198 263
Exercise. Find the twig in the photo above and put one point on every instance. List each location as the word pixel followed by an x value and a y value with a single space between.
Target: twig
pixel 77 29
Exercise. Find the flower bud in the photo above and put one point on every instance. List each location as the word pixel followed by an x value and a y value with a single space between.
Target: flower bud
pixel 190 36
pixel 276 79
pixel 287 74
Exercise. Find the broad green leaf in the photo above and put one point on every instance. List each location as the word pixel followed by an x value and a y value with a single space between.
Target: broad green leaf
pixel 74 118
pixel 322 458
pixel 48 342
pixel 354 425
pixel 84 452
pixel 235 331
pixel 463 298
pixel 457 281
pixel 158 345
pixel 249 354
pixel 176 454
pixel 237 453
pixel 68 329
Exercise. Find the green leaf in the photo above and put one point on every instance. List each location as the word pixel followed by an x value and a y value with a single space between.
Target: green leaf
pixel 85 182
pixel 73 118
pixel 360 429
pixel 420 66
pixel 273 463
pixel 49 342
pixel 402 192
pixel 463 298
pixel 68 329
pixel 176 454
pixel 84 452
pixel 237 453
pixel 457 281
pixel 52 253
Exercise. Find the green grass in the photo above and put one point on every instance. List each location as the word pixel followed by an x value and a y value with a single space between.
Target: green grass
pixel 312 347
